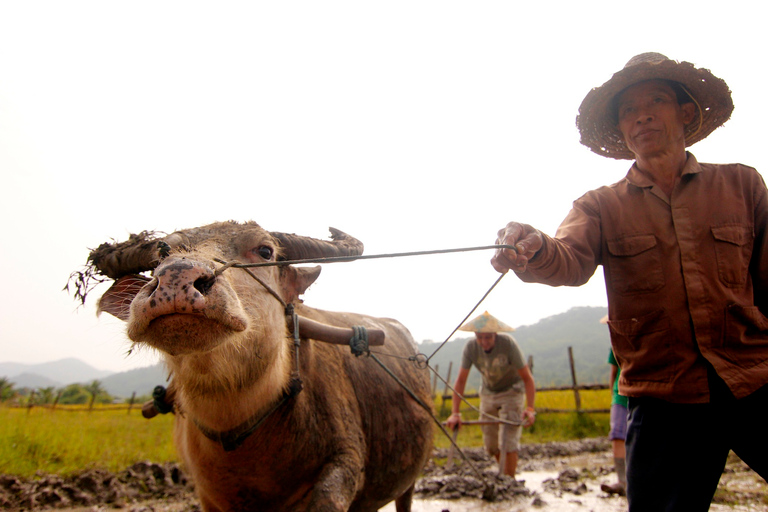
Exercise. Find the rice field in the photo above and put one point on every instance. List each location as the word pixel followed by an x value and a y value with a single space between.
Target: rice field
pixel 70 439
pixel 548 426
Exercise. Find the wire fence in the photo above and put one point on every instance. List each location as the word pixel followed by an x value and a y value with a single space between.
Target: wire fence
pixel 447 396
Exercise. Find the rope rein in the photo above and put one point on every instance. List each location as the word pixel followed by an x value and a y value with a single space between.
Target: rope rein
pixel 337 259
pixel 467 316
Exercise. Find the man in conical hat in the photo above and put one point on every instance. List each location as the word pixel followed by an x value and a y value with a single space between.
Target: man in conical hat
pixel 684 251
pixel 507 382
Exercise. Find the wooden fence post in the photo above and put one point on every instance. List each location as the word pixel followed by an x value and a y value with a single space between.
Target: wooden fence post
pixel 575 383
pixel 503 449
pixel 434 381
pixel 445 391
pixel 31 402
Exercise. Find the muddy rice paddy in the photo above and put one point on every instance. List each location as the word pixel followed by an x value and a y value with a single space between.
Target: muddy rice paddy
pixel 551 477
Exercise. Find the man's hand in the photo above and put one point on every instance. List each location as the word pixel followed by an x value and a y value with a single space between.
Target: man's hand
pixel 454 421
pixel 529 417
pixel 526 241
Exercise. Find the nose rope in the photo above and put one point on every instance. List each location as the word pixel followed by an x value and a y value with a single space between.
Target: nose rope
pixel 290 313
pixel 337 259
pixel 225 266
pixel 236 264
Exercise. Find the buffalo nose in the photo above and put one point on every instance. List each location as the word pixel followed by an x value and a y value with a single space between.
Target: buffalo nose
pixel 182 286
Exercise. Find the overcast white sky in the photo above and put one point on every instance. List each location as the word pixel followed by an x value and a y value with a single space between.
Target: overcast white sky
pixel 412 125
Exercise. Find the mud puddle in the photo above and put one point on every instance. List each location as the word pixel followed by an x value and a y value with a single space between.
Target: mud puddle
pixel 563 477
pixel 547 493
pixel 551 477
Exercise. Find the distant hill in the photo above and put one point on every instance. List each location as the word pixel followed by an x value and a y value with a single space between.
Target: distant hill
pixel 141 380
pixel 547 341
pixel 34 380
pixel 53 373
pixel 61 373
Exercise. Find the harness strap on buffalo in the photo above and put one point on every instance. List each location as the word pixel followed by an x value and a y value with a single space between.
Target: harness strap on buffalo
pixel 232 439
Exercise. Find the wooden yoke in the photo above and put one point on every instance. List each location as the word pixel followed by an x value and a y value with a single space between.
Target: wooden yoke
pixel 332 334
pixel 307 329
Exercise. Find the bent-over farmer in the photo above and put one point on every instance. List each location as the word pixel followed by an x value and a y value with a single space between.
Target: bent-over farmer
pixel 507 383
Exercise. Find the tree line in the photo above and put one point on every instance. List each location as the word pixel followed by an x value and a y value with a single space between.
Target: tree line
pixel 72 394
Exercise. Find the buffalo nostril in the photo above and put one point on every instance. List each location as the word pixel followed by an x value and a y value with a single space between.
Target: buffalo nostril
pixel 152 285
pixel 204 284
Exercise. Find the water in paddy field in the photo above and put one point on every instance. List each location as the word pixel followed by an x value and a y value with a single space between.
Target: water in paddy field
pixel 592 499
pixel 550 491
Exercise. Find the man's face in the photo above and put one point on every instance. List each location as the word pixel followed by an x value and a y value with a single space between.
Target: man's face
pixel 651 120
pixel 486 340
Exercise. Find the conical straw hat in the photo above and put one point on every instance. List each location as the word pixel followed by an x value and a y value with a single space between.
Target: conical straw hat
pixel 597 120
pixel 486 323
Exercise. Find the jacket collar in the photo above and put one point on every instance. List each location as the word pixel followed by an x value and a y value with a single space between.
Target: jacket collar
pixel 638 179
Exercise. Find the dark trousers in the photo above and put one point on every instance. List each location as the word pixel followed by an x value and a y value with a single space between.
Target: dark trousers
pixel 677 452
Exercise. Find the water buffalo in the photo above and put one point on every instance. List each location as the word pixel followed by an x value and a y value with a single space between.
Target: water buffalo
pixel 351 439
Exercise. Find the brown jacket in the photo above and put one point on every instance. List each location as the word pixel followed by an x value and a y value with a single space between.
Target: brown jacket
pixel 686 277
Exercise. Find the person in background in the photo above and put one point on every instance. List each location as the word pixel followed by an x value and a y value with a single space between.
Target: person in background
pixel 684 251
pixel 507 383
pixel 618 432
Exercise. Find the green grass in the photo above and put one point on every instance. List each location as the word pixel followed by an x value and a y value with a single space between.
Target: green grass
pixel 548 426
pixel 70 439
pixel 66 441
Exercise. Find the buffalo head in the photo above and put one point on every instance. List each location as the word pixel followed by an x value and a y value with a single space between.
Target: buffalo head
pixel 189 304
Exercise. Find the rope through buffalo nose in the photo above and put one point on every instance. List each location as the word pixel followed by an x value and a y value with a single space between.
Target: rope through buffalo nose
pixel 336 259
pixel 234 264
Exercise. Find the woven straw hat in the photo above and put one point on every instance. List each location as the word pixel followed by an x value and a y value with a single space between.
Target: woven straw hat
pixel 486 323
pixel 597 118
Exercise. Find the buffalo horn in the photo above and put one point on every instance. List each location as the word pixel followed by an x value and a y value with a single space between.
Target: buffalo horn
pixel 297 247
pixel 141 252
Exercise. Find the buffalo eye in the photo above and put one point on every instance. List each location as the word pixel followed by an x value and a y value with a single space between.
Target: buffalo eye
pixel 266 252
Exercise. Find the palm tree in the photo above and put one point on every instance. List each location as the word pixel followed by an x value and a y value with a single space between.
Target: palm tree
pixel 45 395
pixel 95 389
pixel 6 389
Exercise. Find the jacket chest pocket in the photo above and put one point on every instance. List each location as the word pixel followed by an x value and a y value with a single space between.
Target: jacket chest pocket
pixel 634 264
pixel 733 248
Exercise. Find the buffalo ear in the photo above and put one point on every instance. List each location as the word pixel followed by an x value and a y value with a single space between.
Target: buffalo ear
pixel 296 280
pixel 117 300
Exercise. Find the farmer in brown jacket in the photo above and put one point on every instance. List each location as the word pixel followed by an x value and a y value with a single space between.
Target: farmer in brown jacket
pixel 684 250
